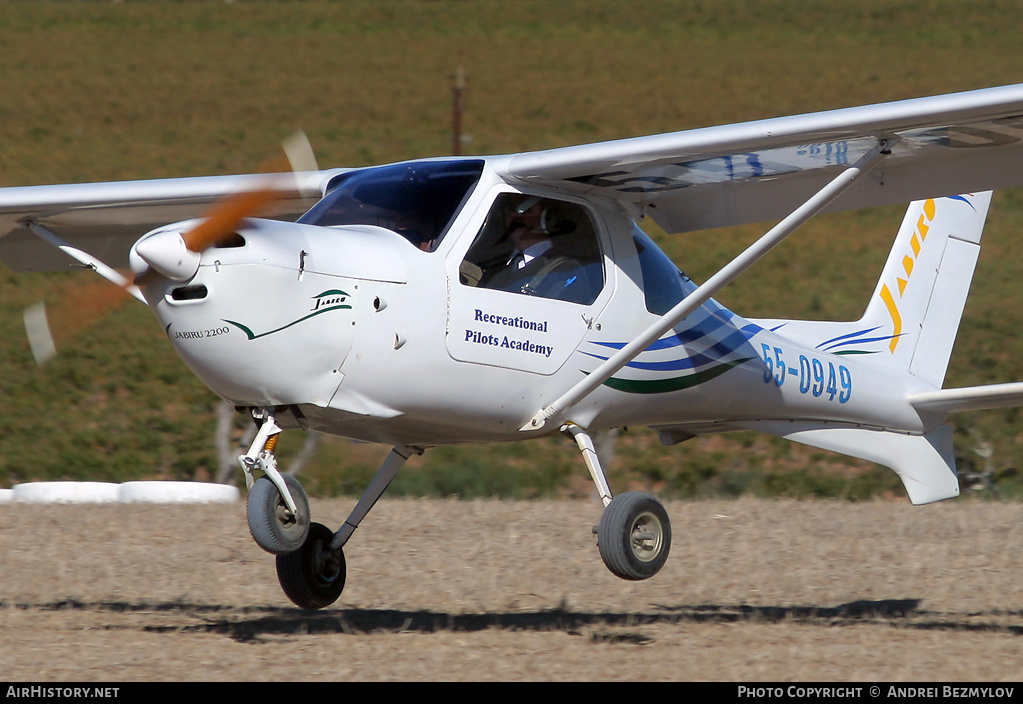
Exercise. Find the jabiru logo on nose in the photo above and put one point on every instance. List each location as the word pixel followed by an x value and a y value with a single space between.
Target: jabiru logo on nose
pixel 333 299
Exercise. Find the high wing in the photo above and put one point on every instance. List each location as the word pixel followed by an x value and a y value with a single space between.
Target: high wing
pixel 696 179
pixel 763 170
pixel 105 219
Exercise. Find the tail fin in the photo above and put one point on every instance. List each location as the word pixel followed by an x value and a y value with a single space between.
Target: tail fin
pixel 910 323
pixel 916 307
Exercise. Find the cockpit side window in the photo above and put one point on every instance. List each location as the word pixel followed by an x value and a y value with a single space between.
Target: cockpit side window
pixel 664 285
pixel 418 200
pixel 539 247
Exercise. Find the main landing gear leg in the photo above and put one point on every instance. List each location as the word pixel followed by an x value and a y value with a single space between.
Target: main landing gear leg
pixel 590 458
pixel 313 576
pixel 394 461
pixel 634 534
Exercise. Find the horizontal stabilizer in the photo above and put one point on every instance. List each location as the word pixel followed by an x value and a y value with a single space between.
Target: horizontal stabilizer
pixel 969 398
pixel 924 463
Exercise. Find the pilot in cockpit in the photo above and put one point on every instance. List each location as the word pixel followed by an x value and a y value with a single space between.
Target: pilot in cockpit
pixel 541 262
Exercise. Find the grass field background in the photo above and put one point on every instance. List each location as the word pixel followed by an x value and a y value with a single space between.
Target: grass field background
pixel 109 91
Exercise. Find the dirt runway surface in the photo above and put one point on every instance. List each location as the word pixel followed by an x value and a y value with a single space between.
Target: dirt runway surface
pixel 498 590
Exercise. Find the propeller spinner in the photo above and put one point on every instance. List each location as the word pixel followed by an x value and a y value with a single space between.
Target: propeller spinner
pixel 175 254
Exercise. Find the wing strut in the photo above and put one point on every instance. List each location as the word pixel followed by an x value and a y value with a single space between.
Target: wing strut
pixel 718 281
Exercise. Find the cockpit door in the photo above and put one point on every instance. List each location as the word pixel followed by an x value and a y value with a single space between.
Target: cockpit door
pixel 530 286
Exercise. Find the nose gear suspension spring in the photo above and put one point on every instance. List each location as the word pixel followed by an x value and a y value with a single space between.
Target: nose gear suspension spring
pixel 271 443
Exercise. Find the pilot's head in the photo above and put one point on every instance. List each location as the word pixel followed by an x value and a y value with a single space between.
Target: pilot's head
pixel 527 223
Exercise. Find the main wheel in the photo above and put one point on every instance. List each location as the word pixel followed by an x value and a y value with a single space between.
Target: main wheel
pixel 314 575
pixel 634 536
pixel 273 526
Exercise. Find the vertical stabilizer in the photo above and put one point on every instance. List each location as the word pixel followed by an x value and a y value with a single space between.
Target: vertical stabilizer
pixel 910 325
pixel 919 299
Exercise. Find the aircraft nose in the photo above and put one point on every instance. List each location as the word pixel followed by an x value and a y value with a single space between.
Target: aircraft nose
pixel 167 253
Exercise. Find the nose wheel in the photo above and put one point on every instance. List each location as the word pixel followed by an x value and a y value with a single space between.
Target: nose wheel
pixel 277 508
pixel 274 526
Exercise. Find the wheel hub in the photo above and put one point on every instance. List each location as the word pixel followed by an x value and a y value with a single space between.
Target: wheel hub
pixel 285 517
pixel 326 563
pixel 647 537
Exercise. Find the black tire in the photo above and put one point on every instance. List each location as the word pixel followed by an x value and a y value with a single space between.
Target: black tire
pixel 313 576
pixel 272 525
pixel 634 536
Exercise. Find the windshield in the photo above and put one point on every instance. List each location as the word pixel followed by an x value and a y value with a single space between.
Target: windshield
pixel 417 200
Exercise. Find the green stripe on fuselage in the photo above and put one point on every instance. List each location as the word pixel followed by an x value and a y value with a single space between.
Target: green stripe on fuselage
pixel 677 383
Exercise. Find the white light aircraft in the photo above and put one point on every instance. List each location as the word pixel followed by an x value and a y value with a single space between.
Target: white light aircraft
pixel 501 298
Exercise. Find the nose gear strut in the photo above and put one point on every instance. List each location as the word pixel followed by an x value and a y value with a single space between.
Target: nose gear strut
pixel 277 508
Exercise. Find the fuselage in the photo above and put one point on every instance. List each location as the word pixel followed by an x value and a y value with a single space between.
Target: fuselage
pixel 372 318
